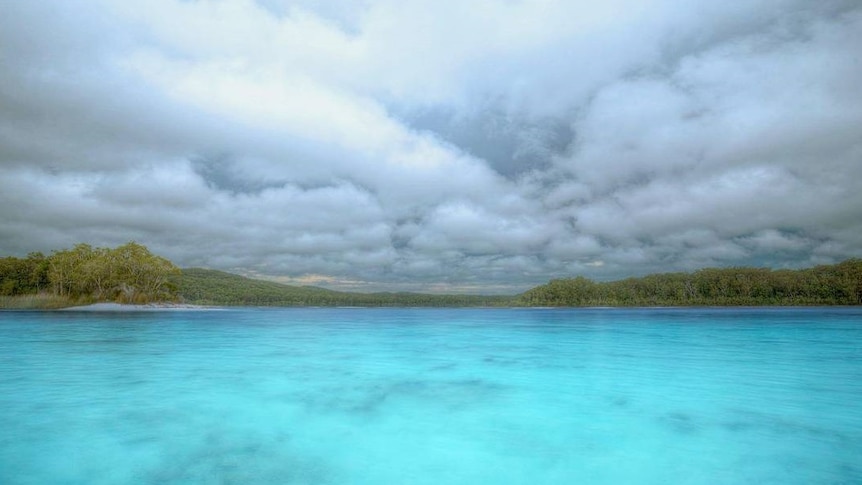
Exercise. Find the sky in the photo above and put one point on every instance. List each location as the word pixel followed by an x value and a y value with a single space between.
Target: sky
pixel 440 146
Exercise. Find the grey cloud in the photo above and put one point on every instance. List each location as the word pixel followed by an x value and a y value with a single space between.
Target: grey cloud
pixel 511 144
pixel 221 172
pixel 475 231
pixel 417 145
pixel 740 138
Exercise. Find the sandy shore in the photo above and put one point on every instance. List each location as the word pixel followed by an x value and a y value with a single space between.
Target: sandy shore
pixel 149 307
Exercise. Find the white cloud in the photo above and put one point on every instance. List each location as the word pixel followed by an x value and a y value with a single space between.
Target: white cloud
pixel 435 144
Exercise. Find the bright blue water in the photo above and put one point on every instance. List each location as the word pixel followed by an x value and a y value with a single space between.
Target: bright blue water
pixel 421 396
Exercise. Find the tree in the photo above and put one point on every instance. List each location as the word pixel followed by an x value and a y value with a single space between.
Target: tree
pixel 141 275
pixel 64 270
pixel 129 273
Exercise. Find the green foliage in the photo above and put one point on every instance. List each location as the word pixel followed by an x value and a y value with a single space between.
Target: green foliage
pixel 139 276
pixel 839 284
pixel 127 274
pixel 210 287
pixel 131 274
pixel 22 276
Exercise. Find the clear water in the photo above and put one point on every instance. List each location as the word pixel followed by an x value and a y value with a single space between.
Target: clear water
pixel 421 396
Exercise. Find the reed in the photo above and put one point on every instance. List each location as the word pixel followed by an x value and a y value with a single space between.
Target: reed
pixel 41 301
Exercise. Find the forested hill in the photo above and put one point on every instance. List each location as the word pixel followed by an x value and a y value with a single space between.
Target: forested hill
pixel 210 287
pixel 131 274
pixel 839 284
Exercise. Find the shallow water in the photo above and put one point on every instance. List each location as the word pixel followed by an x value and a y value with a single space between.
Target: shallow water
pixel 428 396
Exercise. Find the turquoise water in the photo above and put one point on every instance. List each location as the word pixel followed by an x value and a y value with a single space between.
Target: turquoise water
pixel 427 396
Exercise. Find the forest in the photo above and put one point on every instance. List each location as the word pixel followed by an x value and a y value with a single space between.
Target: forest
pixel 837 284
pixel 131 274
pixel 83 274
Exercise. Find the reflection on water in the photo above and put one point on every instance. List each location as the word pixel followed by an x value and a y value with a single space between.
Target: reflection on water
pixel 432 396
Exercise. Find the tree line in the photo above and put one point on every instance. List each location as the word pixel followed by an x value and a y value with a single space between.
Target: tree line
pixel 131 274
pixel 125 274
pixel 838 284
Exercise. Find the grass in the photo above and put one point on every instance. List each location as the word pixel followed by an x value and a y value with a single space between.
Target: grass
pixel 42 301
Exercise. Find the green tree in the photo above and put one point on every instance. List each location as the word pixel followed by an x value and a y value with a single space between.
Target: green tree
pixel 64 270
pixel 129 273
pixel 141 276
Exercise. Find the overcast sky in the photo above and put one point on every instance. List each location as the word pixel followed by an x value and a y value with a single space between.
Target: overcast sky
pixel 481 146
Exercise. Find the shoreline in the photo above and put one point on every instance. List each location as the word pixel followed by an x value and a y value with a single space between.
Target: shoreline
pixel 125 307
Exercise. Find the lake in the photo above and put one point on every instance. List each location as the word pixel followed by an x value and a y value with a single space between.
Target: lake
pixel 432 396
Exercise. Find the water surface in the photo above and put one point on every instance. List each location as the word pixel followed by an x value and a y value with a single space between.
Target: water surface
pixel 429 396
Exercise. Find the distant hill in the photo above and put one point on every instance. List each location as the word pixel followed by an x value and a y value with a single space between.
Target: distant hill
pixel 836 284
pixel 131 274
pixel 211 287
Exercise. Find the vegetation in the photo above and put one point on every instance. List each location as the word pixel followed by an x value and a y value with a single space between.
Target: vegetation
pixel 209 287
pixel 131 274
pixel 40 301
pixel 83 274
pixel 839 284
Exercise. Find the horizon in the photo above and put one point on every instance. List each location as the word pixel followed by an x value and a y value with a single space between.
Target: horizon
pixel 365 287
pixel 435 147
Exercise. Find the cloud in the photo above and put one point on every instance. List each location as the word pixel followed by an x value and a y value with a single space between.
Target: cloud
pixel 434 145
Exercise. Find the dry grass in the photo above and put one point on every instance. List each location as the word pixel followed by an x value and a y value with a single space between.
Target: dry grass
pixel 34 302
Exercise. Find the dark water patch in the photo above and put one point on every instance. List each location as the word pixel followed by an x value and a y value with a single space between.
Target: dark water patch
pixel 222 457
pixel 681 423
pixel 351 400
pixel 448 366
pixel 501 361
pixel 738 426
pixel 848 474
pixel 136 441
pixel 452 394
pixel 783 427
pixel 369 400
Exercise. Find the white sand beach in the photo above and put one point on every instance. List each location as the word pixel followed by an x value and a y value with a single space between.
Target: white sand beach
pixel 120 307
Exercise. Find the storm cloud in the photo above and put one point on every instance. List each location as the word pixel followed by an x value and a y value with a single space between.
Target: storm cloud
pixel 435 146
